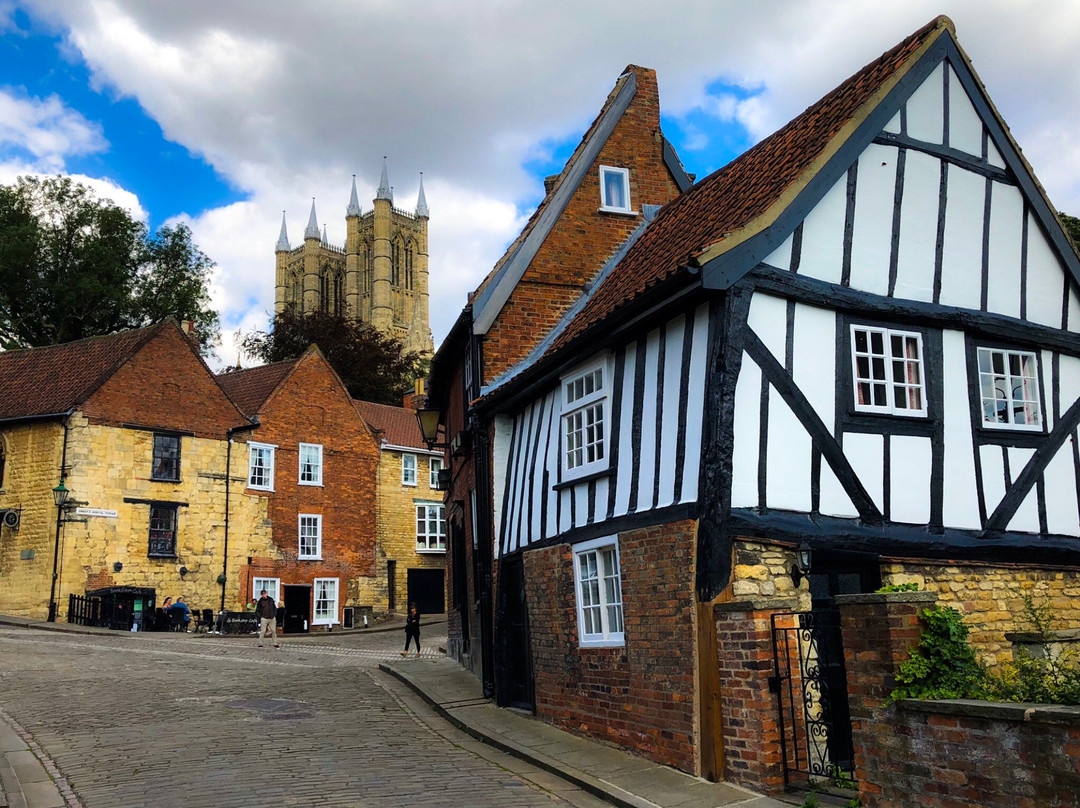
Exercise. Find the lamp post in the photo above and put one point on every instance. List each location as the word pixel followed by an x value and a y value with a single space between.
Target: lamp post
pixel 60 497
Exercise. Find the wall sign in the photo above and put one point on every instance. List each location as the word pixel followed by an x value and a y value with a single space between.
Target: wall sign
pixel 96 512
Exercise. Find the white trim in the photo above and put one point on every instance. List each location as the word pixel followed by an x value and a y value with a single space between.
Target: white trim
pixel 252 446
pixel 607 637
pixel 415 470
pixel 332 621
pixel 890 383
pixel 441 519
pixel 390 447
pixel 585 402
pixel 1037 401
pixel 300 462
pixel 318 537
pixel 433 474
pixel 256 588
pixel 604 202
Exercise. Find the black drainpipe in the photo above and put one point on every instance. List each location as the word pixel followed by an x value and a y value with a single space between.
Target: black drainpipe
pixel 53 606
pixel 228 487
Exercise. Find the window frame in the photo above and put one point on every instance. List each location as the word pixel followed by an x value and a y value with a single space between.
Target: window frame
pixel 568 409
pixel 438 537
pixel 271 448
pixel 259 584
pixel 605 204
pixel 319 467
pixel 415 470
pixel 333 619
pixel 300 554
pixel 607 637
pixel 154 457
pixel 433 472
pixel 1007 426
pixel 165 508
pixel 890 383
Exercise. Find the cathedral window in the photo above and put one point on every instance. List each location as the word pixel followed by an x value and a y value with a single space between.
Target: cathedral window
pixel 339 294
pixel 297 291
pixel 409 267
pixel 369 270
pixel 395 266
pixel 324 289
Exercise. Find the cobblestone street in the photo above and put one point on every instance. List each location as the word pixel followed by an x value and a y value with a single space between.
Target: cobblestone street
pixel 145 720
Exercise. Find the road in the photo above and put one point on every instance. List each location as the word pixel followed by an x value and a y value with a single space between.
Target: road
pixel 200 722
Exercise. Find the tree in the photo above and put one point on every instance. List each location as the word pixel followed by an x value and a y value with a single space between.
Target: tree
pixel 1072 226
pixel 373 366
pixel 73 266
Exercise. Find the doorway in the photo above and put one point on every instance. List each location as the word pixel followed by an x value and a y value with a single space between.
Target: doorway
pixel 391 586
pixel 427 589
pixel 516 686
pixel 297 604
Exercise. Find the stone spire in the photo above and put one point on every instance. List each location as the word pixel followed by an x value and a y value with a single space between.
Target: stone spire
pixel 312 229
pixel 421 201
pixel 324 239
pixel 283 238
pixel 354 202
pixel 384 191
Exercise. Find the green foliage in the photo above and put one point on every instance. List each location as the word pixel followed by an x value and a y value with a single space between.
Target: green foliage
pixel 839 777
pixel 372 365
pixel 908 587
pixel 1072 226
pixel 75 266
pixel 1048 678
pixel 942 665
pixel 854 802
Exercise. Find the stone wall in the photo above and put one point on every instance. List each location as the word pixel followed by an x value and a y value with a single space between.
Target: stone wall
pixel 641 695
pixel 991 597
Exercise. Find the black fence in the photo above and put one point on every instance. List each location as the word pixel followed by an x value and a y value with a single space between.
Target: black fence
pixel 105 612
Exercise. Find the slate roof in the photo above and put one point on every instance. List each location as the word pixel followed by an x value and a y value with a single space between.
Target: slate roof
pixel 753 185
pixel 57 378
pixel 250 388
pixel 397 424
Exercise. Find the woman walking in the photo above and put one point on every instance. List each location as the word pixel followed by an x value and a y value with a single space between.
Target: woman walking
pixel 412 629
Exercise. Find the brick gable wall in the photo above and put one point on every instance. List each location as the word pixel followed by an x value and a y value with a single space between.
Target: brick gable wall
pixel 640 696
pixel 583 238
pixel 312 407
pixel 164 385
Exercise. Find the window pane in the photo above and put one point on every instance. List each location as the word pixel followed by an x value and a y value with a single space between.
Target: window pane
pixel 614 189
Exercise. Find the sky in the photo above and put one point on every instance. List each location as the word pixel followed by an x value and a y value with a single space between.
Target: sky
pixel 224 114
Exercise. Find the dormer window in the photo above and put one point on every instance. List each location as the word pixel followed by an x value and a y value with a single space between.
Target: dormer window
pixel 614 189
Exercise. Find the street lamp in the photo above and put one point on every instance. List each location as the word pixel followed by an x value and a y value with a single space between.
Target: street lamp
pixel 428 418
pixel 801 568
pixel 60 497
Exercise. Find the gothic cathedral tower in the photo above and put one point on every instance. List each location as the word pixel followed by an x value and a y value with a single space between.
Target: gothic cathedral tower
pixel 379 277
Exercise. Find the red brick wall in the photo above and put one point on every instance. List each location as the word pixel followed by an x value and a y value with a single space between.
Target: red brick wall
pixel 582 238
pixel 949 754
pixel 313 407
pixel 641 696
pixel 164 385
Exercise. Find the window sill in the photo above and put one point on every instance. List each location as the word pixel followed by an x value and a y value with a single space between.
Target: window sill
pixel 584 478
pixel 427 551
pixel 633 214
pixel 410 485
pixel 164 480
pixel 620 643
pixel 162 557
pixel 259 488
pixel 309 558
pixel 310 485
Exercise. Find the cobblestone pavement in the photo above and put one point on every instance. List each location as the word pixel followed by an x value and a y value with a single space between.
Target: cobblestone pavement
pixel 200 722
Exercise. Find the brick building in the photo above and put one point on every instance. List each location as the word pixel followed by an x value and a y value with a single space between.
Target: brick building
pixel 313 461
pixel 138 430
pixel 848 358
pixel 615 180
pixel 411 527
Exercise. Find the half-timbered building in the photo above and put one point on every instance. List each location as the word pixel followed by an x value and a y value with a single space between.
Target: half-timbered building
pixel 858 339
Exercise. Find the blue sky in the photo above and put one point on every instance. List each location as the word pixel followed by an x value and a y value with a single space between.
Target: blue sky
pixel 224 114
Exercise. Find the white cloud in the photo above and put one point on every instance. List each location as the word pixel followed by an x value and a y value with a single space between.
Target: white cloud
pixel 45 129
pixel 287 100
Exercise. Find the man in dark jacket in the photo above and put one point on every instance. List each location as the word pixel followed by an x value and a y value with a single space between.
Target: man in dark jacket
pixel 267 611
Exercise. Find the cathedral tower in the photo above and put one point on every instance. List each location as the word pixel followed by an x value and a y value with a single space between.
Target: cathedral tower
pixel 379 277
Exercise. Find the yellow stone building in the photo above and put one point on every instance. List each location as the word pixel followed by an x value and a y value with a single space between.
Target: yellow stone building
pixel 410 527
pixel 135 427
pixel 379 277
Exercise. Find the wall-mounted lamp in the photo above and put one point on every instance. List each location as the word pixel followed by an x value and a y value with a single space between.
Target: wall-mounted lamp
pixel 801 568
pixel 428 419
pixel 117 566
pixel 60 497
pixel 183 571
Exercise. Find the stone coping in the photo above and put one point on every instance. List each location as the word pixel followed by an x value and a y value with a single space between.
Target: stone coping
pixel 886 597
pixel 996 710
pixel 785 604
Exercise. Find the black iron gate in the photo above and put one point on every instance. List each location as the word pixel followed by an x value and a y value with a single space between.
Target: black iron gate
pixel 810 681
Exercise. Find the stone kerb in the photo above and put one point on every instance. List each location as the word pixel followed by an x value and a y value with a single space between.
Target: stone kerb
pixel 751 734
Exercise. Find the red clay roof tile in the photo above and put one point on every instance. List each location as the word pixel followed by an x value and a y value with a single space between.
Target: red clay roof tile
pixel 250 388
pixel 397 424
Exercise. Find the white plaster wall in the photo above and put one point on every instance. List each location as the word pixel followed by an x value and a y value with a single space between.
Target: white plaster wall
pixel 961 266
pixel 918 227
pixel 1006 242
pixel 909 477
pixel 925 109
pixel 871 241
pixel 745 444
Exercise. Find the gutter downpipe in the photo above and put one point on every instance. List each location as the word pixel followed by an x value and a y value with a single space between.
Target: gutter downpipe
pixel 228 487
pixel 59 521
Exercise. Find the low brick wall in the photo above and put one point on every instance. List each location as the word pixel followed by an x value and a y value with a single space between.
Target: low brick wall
pixel 946 754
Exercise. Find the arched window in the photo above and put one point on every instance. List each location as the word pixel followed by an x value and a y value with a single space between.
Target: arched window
pixel 408 266
pixel 369 273
pixel 324 289
pixel 395 265
pixel 339 293
pixel 296 291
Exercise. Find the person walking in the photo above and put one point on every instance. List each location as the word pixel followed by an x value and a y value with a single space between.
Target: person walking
pixel 412 629
pixel 266 609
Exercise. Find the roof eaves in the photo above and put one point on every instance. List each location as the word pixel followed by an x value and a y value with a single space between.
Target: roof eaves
pixel 872 115
pixel 569 315
pixel 494 296
pixel 675 166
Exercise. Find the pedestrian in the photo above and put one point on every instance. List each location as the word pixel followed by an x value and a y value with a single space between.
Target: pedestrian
pixel 266 609
pixel 412 629
pixel 250 607
pixel 184 613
